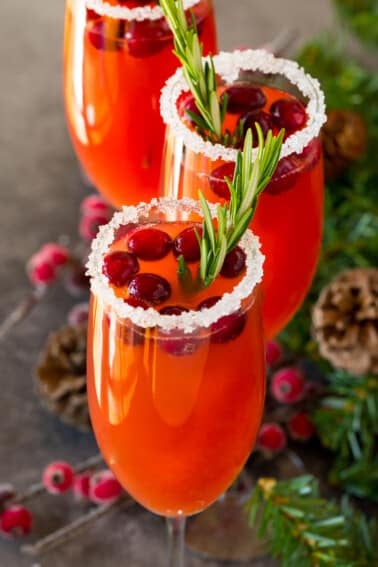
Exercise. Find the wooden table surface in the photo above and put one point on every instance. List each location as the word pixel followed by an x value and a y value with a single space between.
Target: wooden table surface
pixel 41 191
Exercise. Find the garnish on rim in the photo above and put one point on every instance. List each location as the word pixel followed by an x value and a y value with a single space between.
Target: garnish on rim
pixel 200 75
pixel 233 218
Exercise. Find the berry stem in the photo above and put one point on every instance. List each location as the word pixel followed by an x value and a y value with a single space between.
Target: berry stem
pixel 62 535
pixel 22 310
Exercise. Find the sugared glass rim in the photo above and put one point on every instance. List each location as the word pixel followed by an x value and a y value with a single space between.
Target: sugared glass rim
pixel 187 321
pixel 228 65
pixel 139 13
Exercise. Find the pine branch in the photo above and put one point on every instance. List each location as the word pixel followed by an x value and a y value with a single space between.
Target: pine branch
pixel 200 75
pixel 307 530
pixel 347 424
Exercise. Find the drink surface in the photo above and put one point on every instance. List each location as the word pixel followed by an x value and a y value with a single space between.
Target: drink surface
pixel 175 414
pixel 289 213
pixel 113 73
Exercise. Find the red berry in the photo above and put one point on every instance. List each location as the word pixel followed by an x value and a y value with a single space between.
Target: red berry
pixel 16 521
pixel 41 272
pixel 173 310
pixel 262 118
pixel 244 97
pixel 186 244
pixel 226 328
pixel 289 114
pixel 55 254
pixel 273 353
pixel 285 176
pixel 89 225
pixel 189 105
pixel 147 37
pixel 217 182
pixel 288 385
pixel 271 439
pixel 119 267
pixel 95 204
pixel 105 33
pixel 300 427
pixel 58 477
pixel 104 488
pixel 150 243
pixel 234 263
pixel 78 314
pixel 150 288
pixel 81 486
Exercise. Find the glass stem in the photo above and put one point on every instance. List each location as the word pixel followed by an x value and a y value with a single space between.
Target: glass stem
pixel 176 533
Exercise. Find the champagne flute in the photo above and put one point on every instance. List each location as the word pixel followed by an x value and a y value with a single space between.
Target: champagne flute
pixel 176 372
pixel 117 56
pixel 275 93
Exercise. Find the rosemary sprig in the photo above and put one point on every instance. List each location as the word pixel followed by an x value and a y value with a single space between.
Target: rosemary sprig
pixel 233 218
pixel 199 74
pixel 308 530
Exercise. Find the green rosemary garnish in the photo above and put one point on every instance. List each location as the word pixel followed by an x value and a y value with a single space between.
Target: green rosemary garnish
pixel 250 178
pixel 199 75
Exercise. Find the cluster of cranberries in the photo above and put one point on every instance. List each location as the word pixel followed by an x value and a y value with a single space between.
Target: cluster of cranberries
pixel 143 38
pixel 54 259
pixel 148 289
pixel 99 487
pixel 288 386
pixel 249 102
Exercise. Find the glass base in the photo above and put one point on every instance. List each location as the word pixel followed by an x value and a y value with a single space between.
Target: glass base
pixel 222 532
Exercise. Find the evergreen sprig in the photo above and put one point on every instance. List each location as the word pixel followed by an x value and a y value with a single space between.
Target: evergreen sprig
pixel 347 424
pixel 307 530
pixel 233 218
pixel 200 75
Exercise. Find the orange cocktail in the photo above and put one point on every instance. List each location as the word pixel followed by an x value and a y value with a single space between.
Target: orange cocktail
pixel 175 371
pixel 274 93
pixel 117 57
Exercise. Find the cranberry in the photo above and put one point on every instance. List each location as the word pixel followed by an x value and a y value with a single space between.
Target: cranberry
pixel 104 34
pixel 90 223
pixel 285 176
pixel 81 486
pixel 104 488
pixel 189 105
pixel 234 263
pixel 227 328
pixel 147 37
pixel 289 114
pixel 150 288
pixel 78 314
pixel 40 271
pixel 300 427
pixel 173 310
pixel 175 342
pixel 119 266
pixel 94 204
pixel 16 521
pixel 273 352
pixel 262 118
pixel 244 97
pixel 150 243
pixel 217 182
pixel 56 254
pixel 288 385
pixel 271 439
pixel 186 244
pixel 58 477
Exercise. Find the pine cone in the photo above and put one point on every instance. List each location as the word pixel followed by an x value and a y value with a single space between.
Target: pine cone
pixel 344 137
pixel 61 376
pixel 345 321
